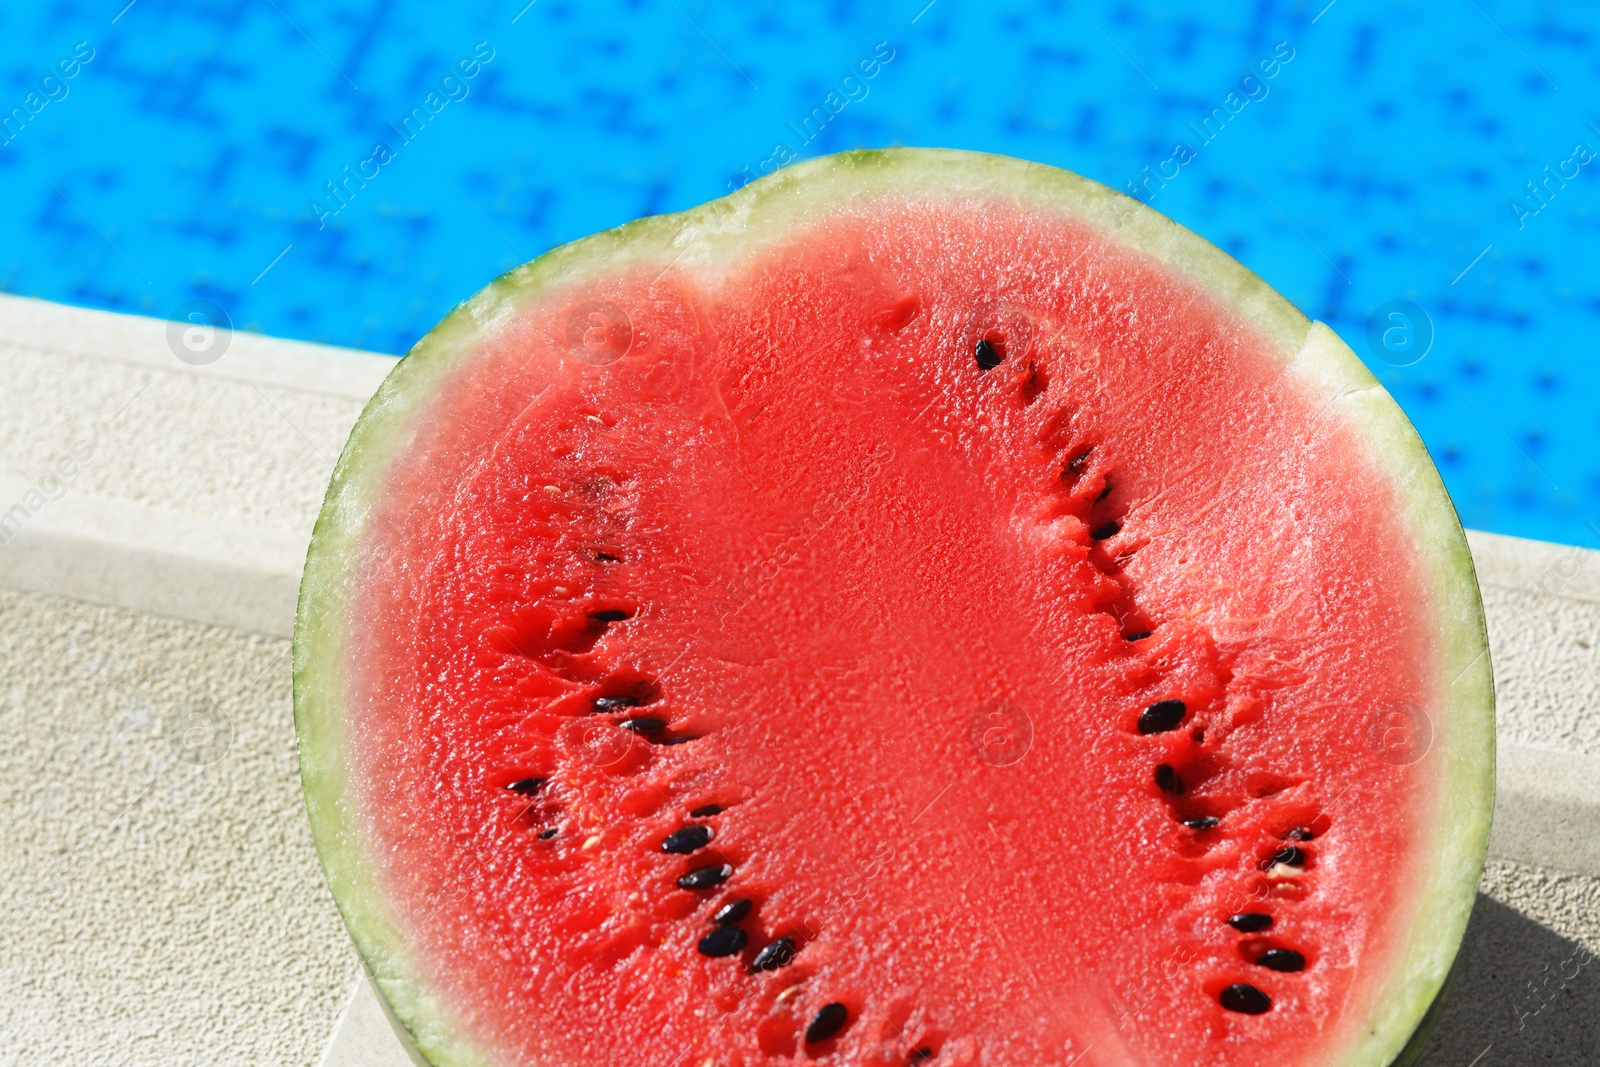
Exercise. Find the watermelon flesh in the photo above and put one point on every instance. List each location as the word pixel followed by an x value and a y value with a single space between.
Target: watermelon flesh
pixel 987 588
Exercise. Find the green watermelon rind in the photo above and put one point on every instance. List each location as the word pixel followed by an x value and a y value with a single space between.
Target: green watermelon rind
pixel 705 241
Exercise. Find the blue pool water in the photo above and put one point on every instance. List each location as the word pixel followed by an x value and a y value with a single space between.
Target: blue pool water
pixel 187 156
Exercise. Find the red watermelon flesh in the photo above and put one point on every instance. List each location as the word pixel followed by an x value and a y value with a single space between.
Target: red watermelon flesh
pixel 980 597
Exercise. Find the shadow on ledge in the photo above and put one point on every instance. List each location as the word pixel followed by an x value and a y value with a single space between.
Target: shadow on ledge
pixel 1523 996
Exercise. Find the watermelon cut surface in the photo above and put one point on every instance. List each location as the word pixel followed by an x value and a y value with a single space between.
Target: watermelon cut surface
pixel 922 608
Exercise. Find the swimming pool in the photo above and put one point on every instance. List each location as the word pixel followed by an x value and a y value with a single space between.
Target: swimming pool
pixel 1418 175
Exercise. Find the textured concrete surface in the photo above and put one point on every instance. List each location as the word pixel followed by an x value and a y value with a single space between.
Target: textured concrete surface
pixel 130 477
pixel 1543 604
pixel 163 902
pixel 162 897
pixel 1526 992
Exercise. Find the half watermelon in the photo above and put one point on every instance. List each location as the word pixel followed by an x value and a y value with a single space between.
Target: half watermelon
pixel 924 608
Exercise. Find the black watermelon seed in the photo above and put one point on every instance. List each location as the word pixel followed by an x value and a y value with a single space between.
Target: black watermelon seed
pixel 1245 999
pixel 612 703
pixel 1250 922
pixel 777 954
pixel 1140 636
pixel 644 726
pixel 705 810
pixel 1162 716
pixel 608 615
pixel 732 912
pixel 686 840
pixel 1167 779
pixel 526 786
pixel 1204 822
pixel 1104 492
pixel 920 1054
pixel 545 835
pixel 676 740
pixel 705 877
pixel 1076 463
pixel 1100 533
pixel 606 557
pixel 985 353
pixel 1282 959
pixel 1300 833
pixel 827 1022
pixel 1288 855
pixel 724 941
